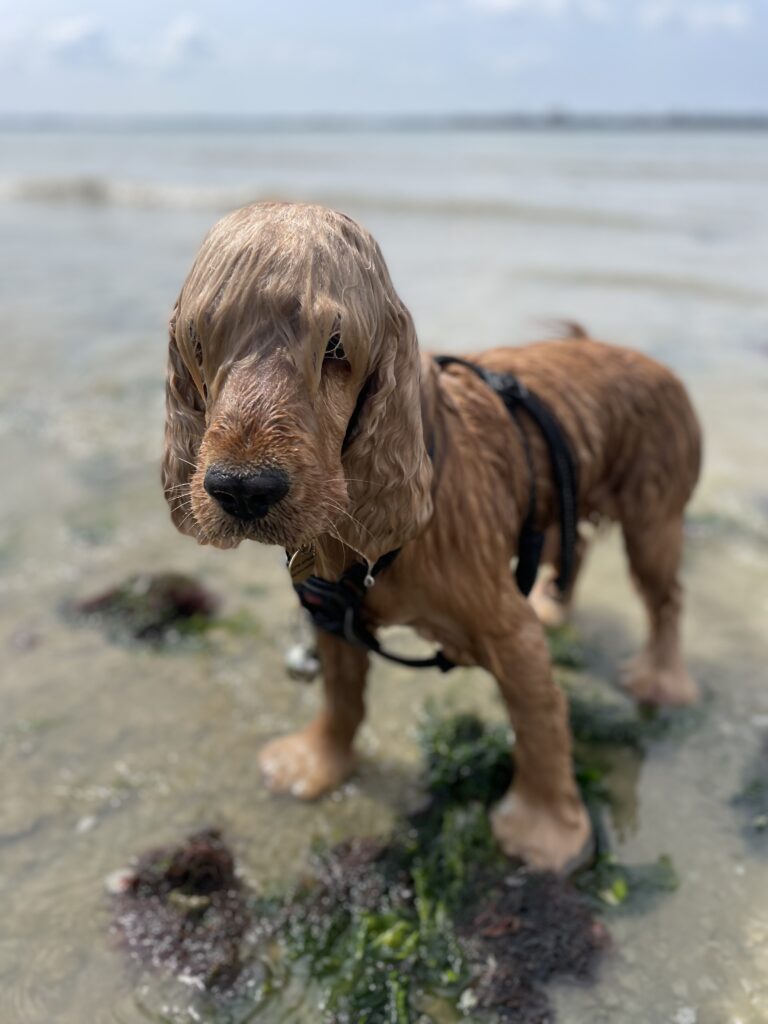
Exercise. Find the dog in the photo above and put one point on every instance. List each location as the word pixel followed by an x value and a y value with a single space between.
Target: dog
pixel 300 412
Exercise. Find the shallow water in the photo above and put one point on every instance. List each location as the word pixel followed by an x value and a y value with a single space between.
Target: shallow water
pixel 658 241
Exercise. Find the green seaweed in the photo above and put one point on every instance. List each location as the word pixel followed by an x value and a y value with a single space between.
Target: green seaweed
pixel 566 647
pixel 152 607
pixel 432 902
pixel 375 928
pixel 598 721
pixel 428 922
pixel 630 888
pixel 162 609
pixel 752 798
pixel 240 623
pixel 464 759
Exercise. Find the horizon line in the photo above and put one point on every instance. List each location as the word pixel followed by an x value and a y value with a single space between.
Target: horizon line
pixel 554 118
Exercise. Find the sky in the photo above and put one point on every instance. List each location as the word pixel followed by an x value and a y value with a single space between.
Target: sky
pixel 248 57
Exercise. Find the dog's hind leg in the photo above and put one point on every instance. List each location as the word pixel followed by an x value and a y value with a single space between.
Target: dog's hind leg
pixel 319 757
pixel 658 674
pixel 541 818
pixel 552 605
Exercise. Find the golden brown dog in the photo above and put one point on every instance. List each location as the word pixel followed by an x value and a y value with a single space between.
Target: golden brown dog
pixel 287 330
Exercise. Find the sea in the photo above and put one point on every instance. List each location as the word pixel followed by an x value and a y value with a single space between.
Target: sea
pixel 656 239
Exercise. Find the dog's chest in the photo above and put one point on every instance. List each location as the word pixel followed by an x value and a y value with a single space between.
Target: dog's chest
pixel 392 604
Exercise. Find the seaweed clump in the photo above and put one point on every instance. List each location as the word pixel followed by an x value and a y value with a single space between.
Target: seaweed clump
pixel 429 920
pixel 632 887
pixel 151 607
pixel 440 917
pixel 566 647
pixel 183 910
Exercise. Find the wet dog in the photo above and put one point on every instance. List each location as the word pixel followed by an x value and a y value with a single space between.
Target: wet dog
pixel 301 413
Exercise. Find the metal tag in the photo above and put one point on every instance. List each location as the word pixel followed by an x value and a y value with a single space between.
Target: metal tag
pixel 301 565
pixel 302 662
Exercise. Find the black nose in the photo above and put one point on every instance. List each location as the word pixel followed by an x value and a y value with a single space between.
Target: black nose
pixel 247 497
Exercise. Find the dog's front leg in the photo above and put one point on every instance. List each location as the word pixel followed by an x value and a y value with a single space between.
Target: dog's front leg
pixel 542 818
pixel 319 757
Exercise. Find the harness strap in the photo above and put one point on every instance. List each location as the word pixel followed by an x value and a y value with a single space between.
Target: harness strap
pixel 336 608
pixel 356 633
pixel 516 395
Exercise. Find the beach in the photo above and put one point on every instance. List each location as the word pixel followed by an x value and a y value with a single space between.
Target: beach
pixel 657 240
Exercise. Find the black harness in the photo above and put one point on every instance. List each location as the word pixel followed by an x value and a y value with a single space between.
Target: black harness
pixel 337 608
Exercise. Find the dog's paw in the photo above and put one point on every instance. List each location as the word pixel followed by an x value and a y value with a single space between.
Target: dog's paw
pixel 544 840
pixel 551 610
pixel 305 764
pixel 649 683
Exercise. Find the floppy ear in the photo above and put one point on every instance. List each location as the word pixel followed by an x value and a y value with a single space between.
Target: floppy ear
pixel 386 464
pixel 184 428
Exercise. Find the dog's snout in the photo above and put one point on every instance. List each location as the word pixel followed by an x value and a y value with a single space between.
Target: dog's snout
pixel 247 497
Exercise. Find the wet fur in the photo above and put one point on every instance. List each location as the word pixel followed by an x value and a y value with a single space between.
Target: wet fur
pixel 248 387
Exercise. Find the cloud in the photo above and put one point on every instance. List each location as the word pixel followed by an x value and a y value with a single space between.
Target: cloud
pixel 522 6
pixel 597 10
pixel 700 15
pixel 78 43
pixel 184 43
pixel 82 43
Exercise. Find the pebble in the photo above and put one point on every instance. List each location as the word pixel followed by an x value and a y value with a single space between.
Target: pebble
pixel 119 881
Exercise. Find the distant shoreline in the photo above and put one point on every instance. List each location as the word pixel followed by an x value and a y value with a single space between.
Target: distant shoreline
pixel 554 121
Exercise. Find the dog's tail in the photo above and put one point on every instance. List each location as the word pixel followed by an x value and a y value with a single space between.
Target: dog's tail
pixel 568 329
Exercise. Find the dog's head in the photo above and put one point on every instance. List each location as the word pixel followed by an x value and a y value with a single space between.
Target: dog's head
pixel 293 405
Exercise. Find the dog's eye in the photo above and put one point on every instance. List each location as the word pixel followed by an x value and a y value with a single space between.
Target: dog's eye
pixel 199 361
pixel 334 349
